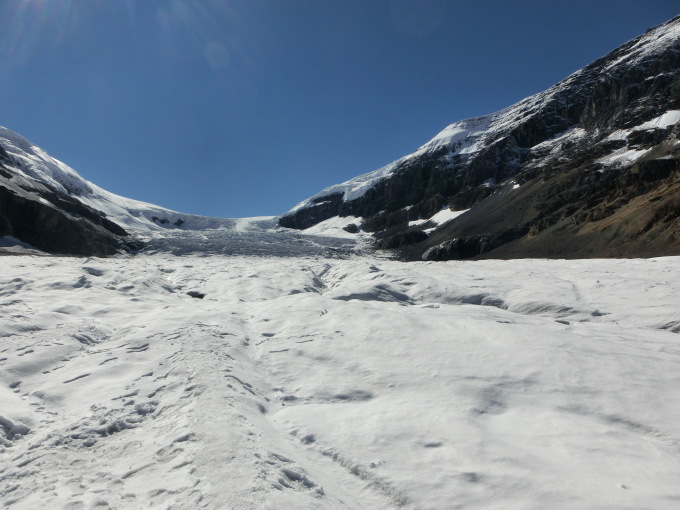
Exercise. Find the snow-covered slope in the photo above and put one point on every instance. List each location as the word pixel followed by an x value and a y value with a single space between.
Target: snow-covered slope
pixel 33 167
pixel 311 382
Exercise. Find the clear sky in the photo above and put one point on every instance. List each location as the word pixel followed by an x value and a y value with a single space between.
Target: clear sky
pixel 239 108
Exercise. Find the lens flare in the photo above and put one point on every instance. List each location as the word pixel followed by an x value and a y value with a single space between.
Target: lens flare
pixel 210 26
pixel 32 23
pixel 211 31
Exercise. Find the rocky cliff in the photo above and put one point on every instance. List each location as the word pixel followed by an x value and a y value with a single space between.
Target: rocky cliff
pixel 590 167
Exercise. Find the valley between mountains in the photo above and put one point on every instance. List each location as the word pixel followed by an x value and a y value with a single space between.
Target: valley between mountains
pixel 332 378
pixel 298 362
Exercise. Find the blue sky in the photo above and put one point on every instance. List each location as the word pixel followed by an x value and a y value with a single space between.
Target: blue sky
pixel 239 108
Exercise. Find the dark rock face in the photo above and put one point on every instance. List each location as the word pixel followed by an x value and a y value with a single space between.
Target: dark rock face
pixel 322 209
pixel 575 210
pixel 54 222
pixel 401 239
pixel 472 246
pixel 4 158
pixel 564 148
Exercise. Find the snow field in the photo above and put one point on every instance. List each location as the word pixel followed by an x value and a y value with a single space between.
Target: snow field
pixel 316 382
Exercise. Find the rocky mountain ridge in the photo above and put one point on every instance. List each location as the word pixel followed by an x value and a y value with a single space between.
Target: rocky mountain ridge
pixel 587 168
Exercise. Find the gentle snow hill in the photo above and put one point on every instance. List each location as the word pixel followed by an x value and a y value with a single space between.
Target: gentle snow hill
pixel 590 167
pixel 285 376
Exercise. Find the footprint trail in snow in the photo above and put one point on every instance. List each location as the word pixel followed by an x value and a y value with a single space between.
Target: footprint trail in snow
pixel 308 378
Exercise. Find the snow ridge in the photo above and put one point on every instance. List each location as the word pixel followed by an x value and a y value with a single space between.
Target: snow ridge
pixel 34 167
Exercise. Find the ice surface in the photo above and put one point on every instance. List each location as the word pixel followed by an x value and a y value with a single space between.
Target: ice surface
pixel 321 379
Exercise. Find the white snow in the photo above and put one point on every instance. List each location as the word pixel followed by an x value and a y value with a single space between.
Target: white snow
pixel 626 156
pixel 619 134
pixel 666 120
pixel 354 188
pixel 654 41
pixel 335 227
pixel 623 157
pixel 439 218
pixel 670 118
pixel 353 382
pixel 555 144
pixel 463 136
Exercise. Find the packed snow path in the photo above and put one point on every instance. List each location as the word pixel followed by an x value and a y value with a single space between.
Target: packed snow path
pixel 357 382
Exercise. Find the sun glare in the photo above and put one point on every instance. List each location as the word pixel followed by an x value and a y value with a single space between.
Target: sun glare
pixel 30 24
pixel 209 29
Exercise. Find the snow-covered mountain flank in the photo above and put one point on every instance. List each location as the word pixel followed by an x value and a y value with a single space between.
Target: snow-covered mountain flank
pixel 48 205
pixel 587 168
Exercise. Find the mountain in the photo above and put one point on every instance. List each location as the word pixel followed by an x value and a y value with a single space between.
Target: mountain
pixel 46 204
pixel 587 168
